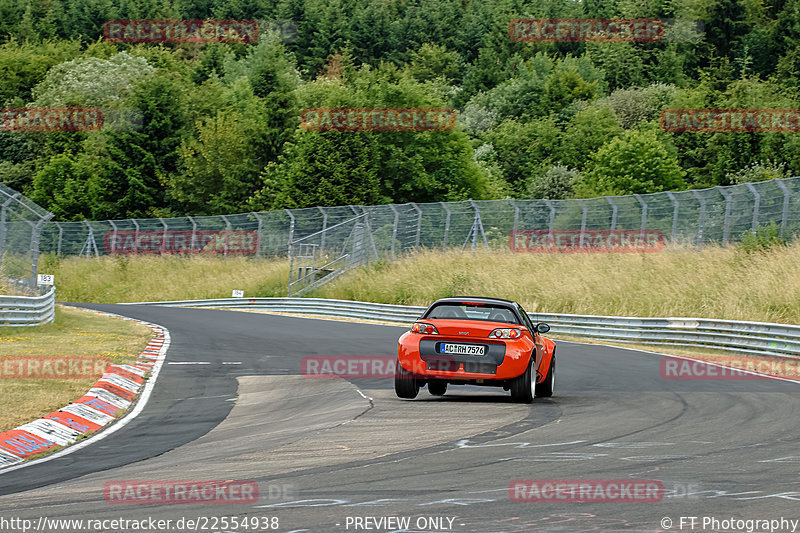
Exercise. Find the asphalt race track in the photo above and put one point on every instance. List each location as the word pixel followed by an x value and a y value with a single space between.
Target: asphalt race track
pixel 327 451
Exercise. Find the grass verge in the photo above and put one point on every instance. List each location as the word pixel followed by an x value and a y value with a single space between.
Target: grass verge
pixel 75 332
pixel 121 278
pixel 713 282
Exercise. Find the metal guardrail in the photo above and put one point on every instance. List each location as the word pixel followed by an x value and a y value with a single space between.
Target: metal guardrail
pixel 19 311
pixel 759 338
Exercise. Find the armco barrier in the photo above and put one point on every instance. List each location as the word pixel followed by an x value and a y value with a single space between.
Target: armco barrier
pixel 16 311
pixel 758 338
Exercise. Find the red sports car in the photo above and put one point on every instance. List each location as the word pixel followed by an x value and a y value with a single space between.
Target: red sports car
pixel 477 341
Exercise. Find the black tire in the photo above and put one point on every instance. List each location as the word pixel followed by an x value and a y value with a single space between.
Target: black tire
pixel 405 384
pixel 547 386
pixel 522 387
pixel 437 388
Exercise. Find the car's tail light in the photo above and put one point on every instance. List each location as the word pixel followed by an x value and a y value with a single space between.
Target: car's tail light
pixel 428 329
pixel 505 333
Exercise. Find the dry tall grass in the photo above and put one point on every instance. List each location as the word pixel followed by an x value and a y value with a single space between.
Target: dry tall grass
pixel 713 282
pixel 144 278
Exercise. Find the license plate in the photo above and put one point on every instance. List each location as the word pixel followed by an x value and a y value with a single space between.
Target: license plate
pixel 462 349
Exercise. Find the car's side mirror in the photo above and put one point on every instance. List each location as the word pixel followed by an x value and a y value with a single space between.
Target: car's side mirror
pixel 542 328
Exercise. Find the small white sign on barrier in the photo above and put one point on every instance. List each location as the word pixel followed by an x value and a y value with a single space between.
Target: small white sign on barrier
pixel 46 279
pixel 238 294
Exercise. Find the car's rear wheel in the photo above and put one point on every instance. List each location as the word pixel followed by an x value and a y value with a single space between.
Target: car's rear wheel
pixel 547 386
pixel 523 387
pixel 437 388
pixel 405 384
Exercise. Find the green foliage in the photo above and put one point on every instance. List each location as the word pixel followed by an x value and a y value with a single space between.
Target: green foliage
pixel 588 130
pixel 218 123
pixel 636 163
pixel 23 65
pixel 557 183
pixel 759 171
pixel 638 104
pixel 60 187
pixel 433 61
pixel 523 148
pixel 90 81
pixel 765 238
pixel 335 168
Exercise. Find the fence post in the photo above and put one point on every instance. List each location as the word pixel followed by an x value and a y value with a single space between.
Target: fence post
pixel 290 249
pixel 419 225
pixel 258 232
pixel 478 226
pixel 701 219
pixel 756 205
pixel 394 226
pixel 786 197
pixel 90 244
pixel 163 236
pixel 35 234
pixel 324 227
pixel 726 228
pixel 613 212
pixel 584 214
pixel 552 223
pixel 516 216
pixel 644 214
pixel 446 225
pixel 60 236
pixel 194 234
pixel 227 234
pixel 3 224
pixel 675 206
pixel 113 237
pixel 136 236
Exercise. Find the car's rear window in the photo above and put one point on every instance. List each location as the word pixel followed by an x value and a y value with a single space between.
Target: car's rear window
pixel 473 311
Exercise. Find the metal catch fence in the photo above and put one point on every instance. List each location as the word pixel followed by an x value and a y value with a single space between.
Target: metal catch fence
pixel 719 214
pixel 21 225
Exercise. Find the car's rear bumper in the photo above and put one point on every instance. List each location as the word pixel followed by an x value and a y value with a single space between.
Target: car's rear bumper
pixel 502 360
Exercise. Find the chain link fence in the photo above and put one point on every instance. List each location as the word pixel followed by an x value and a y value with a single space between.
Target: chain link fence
pixel 715 215
pixel 21 224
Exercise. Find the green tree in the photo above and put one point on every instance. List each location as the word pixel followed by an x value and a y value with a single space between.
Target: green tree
pixel 60 187
pixel 433 61
pixel 524 149
pixel 588 130
pixel 636 163
pixel 221 163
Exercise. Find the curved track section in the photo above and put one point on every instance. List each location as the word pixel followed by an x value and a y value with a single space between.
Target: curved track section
pixel 231 405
